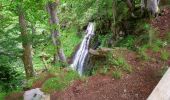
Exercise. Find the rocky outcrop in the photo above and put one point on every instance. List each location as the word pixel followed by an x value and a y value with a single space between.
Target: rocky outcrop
pixel 94 56
pixel 100 52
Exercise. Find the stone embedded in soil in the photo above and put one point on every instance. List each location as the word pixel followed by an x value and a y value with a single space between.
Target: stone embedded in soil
pixel 35 94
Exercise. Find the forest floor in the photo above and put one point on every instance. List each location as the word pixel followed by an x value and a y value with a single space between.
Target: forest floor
pixel 135 86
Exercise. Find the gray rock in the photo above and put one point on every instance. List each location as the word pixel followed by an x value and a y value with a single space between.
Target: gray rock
pixel 35 94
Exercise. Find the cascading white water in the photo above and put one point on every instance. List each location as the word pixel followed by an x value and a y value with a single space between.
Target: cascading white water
pixel 82 52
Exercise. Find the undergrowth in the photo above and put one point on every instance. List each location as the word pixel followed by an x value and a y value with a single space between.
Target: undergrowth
pixel 70 41
pixel 119 62
pixel 60 82
pixel 115 63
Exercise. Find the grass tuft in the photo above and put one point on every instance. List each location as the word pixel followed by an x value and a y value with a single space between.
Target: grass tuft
pixel 165 55
pixel 117 74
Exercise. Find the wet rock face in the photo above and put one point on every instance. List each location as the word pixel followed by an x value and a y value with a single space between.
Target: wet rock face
pixel 35 94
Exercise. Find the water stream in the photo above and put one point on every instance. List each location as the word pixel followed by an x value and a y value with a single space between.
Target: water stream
pixel 81 54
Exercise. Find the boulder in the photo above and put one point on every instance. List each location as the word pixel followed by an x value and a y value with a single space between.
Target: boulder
pixel 35 94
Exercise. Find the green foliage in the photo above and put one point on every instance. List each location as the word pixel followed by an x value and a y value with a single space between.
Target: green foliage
pixel 127 42
pixel 55 70
pixel 157 45
pixel 165 55
pixel 104 70
pixel 70 41
pixel 53 84
pixel 117 74
pixel 60 82
pixel 71 75
pixel 119 63
pixel 92 71
pixel 2 96
pixel 155 48
pixel 142 52
pixel 103 39
pixel 10 77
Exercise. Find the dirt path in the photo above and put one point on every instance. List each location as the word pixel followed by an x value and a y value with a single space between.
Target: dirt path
pixel 135 86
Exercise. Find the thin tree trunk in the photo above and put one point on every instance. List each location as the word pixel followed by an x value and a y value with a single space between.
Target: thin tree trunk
pixel 27 57
pixel 54 21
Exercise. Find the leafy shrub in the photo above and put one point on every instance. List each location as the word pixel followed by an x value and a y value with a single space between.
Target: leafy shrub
pixel 10 78
pixel 127 42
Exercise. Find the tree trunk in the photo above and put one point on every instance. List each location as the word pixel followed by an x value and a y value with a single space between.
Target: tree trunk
pixel 54 21
pixel 27 57
pixel 151 6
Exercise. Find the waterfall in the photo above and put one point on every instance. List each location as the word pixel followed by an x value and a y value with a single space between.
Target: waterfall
pixel 79 59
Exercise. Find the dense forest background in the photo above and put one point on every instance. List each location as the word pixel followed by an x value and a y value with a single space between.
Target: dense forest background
pixel 38 39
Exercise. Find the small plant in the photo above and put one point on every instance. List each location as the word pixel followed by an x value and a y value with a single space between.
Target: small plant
pixel 127 42
pixel 93 71
pixel 165 55
pixel 104 70
pixel 117 74
pixel 156 48
pixel 158 44
pixel 119 64
pixel 120 61
pixel 127 68
pixel 142 53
